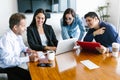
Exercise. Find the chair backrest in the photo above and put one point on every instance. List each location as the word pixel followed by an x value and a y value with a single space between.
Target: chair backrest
pixel 2 70
pixel 3 74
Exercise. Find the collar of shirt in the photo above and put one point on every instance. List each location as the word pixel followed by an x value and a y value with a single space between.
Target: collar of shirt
pixel 13 35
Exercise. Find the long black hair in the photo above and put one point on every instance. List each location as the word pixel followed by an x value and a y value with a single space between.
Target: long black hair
pixel 40 10
pixel 68 11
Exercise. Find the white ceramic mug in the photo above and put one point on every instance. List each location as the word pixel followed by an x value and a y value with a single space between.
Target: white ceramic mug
pixel 50 55
pixel 115 49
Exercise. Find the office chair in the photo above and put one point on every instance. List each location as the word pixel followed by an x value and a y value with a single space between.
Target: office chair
pixel 3 74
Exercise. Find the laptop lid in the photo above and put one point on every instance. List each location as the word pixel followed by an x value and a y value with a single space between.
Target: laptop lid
pixel 65 45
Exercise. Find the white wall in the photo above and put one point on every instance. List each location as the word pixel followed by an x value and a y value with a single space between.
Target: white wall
pixel 115 13
pixel 84 6
pixel 7 7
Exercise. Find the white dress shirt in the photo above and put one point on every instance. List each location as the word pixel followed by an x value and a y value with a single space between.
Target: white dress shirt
pixel 11 47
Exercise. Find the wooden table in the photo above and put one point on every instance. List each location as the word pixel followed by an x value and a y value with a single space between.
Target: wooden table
pixel 109 69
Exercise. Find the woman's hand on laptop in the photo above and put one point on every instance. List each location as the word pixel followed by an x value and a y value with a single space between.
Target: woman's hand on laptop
pixel 50 48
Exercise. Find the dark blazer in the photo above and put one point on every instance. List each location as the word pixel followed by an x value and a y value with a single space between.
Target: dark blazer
pixel 34 39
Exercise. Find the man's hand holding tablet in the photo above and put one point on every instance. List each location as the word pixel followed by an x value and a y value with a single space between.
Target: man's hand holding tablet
pixel 92 46
pixel 102 49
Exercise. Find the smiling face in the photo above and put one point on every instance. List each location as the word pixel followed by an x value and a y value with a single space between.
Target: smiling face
pixel 92 22
pixel 69 18
pixel 40 18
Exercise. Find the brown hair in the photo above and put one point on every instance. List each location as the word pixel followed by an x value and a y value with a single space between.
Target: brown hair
pixel 15 19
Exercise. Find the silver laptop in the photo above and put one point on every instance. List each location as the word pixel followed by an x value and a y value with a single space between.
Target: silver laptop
pixel 65 45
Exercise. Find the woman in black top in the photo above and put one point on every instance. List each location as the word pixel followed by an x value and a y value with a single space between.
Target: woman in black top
pixel 41 36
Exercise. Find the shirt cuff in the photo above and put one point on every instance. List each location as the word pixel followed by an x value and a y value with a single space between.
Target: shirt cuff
pixel 25 59
pixel 25 49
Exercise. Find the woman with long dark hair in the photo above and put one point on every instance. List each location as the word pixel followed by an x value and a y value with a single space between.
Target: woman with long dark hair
pixel 41 36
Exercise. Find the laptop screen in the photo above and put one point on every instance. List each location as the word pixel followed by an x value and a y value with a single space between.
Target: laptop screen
pixel 65 45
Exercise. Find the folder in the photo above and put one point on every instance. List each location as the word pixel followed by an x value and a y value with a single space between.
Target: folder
pixel 88 45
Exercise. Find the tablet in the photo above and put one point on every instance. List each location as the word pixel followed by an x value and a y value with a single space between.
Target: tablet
pixel 88 45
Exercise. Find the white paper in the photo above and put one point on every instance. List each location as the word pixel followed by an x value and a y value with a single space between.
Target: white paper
pixel 65 61
pixel 41 54
pixel 89 64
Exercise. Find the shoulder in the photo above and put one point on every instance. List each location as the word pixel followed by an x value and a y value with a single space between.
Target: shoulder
pixel 6 37
pixel 47 26
pixel 77 18
pixel 106 24
pixel 31 28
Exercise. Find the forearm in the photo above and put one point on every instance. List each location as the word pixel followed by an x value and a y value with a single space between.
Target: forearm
pixel 88 37
pixel 37 47
pixel 64 33
pixel 50 48
pixel 81 35
pixel 15 61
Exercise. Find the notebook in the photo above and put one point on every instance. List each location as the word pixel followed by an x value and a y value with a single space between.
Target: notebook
pixel 88 45
pixel 65 45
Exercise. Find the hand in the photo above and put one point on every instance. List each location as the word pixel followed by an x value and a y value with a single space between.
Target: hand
pixel 29 51
pixel 33 57
pixel 50 48
pixel 102 49
pixel 99 31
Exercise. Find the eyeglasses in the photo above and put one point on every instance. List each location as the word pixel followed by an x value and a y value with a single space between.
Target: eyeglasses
pixel 66 19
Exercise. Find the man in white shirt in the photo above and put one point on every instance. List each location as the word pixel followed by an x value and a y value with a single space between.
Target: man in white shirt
pixel 11 46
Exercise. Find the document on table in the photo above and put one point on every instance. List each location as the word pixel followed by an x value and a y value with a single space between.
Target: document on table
pixel 65 61
pixel 89 64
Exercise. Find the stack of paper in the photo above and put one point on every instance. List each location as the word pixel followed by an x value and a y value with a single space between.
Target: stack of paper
pixel 89 64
